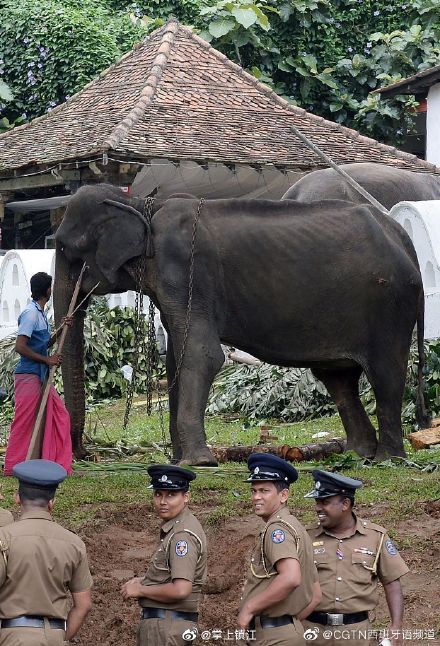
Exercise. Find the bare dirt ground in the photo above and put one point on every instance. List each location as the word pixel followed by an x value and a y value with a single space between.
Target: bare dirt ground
pixel 120 543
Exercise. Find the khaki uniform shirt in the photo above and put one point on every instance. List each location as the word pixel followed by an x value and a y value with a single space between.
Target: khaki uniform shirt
pixel 181 554
pixel 45 561
pixel 344 566
pixel 279 541
pixel 5 517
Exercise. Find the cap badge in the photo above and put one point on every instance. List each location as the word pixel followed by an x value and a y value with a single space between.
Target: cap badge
pixel 317 485
pixel 163 478
pixel 257 470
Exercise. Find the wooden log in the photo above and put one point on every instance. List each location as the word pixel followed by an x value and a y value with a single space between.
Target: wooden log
pixel 316 451
pixel 425 438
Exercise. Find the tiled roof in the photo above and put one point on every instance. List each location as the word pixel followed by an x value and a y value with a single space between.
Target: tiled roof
pixel 420 82
pixel 174 96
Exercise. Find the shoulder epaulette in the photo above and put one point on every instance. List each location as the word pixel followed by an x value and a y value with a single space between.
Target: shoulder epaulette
pixel 310 526
pixel 369 525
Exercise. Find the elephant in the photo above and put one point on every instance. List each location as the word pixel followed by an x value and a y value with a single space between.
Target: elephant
pixel 387 184
pixel 330 285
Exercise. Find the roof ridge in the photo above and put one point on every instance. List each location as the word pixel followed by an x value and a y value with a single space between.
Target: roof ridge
pixel 149 90
pixel 350 132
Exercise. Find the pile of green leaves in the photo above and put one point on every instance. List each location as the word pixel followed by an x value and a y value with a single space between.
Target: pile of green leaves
pixel 293 394
pixel 109 339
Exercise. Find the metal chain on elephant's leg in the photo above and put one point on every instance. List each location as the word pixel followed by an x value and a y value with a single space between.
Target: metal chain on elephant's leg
pixel 140 339
pixel 139 335
pixel 139 319
pixel 152 354
pixel 190 294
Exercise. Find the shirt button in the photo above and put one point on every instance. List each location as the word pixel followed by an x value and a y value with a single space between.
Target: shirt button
pixel 177 521
pixel 252 560
pixel 340 540
pixel 339 578
pixel 337 599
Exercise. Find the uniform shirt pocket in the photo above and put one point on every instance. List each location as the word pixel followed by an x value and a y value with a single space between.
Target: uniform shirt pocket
pixel 362 566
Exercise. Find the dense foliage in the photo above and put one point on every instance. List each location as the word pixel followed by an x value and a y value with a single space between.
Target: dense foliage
pixel 325 55
pixel 293 394
pixel 49 50
pixel 109 345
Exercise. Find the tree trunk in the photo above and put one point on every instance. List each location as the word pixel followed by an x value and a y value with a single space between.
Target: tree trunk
pixel 315 451
pixel 73 352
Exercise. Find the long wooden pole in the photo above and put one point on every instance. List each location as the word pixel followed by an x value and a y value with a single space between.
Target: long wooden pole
pixel 353 183
pixel 77 308
pixel 36 431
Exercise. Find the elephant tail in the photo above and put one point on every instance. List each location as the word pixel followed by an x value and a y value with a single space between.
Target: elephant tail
pixel 423 416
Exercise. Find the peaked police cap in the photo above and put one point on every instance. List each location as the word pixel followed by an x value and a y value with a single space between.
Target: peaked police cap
pixel 264 466
pixel 44 474
pixel 165 476
pixel 332 484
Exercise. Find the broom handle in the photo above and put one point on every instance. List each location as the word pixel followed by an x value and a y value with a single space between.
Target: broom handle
pixel 44 398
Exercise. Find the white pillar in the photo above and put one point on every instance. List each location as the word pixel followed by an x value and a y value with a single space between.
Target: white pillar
pixel 433 125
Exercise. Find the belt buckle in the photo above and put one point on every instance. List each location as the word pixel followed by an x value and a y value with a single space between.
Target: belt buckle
pixel 335 619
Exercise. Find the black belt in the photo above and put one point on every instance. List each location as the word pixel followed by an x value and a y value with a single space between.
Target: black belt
pixel 161 613
pixel 28 621
pixel 337 619
pixel 271 622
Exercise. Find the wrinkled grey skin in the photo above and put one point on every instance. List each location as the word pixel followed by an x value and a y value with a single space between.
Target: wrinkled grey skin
pixel 388 185
pixel 330 285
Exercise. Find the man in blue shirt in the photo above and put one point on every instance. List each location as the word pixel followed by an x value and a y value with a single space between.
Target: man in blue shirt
pixel 33 341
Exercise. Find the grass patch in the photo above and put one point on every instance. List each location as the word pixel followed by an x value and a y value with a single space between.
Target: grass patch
pixel 223 490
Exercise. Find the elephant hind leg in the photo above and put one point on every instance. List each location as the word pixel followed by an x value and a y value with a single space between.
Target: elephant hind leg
pixel 388 384
pixel 343 387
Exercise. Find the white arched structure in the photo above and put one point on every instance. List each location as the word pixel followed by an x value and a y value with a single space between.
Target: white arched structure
pixel 421 220
pixel 16 270
pixel 17 267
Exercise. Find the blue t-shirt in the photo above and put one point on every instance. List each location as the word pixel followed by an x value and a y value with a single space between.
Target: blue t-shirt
pixel 33 323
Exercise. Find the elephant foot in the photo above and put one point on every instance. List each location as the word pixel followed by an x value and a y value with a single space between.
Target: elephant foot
pixel 201 458
pixel 364 449
pixel 384 453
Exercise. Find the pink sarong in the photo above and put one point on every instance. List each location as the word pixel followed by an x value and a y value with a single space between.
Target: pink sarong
pixel 57 443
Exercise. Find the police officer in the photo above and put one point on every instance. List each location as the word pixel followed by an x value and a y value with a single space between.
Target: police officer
pixel 351 555
pixel 281 586
pixel 40 562
pixel 169 594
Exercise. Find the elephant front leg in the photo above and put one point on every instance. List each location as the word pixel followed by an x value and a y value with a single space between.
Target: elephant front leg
pixel 195 380
pixel 173 398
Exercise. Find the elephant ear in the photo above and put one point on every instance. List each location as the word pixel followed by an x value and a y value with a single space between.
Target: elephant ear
pixel 120 237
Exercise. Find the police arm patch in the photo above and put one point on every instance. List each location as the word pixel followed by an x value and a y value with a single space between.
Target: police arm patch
pixel 278 536
pixel 181 548
pixel 391 549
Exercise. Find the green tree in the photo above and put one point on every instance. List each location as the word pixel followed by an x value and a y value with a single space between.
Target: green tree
pixel 54 48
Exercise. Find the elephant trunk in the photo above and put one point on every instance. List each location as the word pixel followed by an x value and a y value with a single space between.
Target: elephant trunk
pixel 73 351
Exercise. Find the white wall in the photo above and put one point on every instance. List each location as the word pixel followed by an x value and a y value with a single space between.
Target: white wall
pixel 421 221
pixel 433 125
